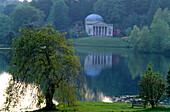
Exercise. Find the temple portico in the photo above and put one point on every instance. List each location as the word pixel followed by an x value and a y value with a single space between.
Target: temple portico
pixel 96 27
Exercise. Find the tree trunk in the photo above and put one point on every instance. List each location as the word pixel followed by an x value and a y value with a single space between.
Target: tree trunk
pixel 49 99
pixel 152 104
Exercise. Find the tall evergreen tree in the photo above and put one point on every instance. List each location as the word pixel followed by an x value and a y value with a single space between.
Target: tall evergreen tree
pixel 159 31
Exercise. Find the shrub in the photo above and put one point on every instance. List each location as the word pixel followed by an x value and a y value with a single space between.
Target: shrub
pixel 127 39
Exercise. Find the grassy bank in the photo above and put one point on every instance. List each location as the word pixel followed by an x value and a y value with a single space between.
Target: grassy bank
pixel 100 42
pixel 101 106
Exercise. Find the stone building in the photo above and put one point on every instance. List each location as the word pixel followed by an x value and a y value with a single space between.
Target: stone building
pixel 95 26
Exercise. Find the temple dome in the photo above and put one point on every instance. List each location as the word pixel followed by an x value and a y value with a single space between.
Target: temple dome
pixel 94 17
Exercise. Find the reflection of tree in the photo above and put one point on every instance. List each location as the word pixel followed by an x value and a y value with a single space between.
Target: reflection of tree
pixel 114 81
pixel 138 63
pixel 4 61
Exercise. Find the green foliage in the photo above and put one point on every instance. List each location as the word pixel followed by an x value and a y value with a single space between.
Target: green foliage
pixel 4 25
pixel 134 37
pixel 1 7
pixel 144 40
pixel 160 30
pixel 59 15
pixel 168 81
pixel 25 16
pixel 156 40
pixel 111 10
pixel 128 31
pixel 9 8
pixel 73 33
pixel 44 58
pixel 43 5
pixel 127 39
pixel 77 31
pixel 151 87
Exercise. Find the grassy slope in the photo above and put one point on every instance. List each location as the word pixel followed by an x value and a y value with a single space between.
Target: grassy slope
pixel 101 106
pixel 100 41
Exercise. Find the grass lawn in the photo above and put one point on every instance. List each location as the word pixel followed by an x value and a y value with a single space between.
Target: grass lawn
pixel 100 42
pixel 107 107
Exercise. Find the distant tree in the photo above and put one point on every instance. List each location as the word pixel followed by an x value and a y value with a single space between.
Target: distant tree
pixel 113 11
pixel 159 31
pixel 144 40
pixel 168 81
pixel 134 37
pixel 79 9
pixel 7 39
pixel 1 7
pixel 43 5
pixel 4 25
pixel 141 6
pixel 151 87
pixel 25 16
pixel 46 59
pixel 59 15
pixel 9 8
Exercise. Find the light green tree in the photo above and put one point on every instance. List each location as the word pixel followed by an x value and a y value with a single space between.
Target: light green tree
pixel 59 15
pixel 46 59
pixel 144 40
pixel 159 31
pixel 151 87
pixel 134 36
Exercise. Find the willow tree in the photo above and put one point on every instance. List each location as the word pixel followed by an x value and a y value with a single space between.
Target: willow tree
pixel 45 58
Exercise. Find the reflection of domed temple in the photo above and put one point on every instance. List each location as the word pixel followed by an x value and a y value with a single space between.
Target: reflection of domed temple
pixel 94 63
pixel 96 27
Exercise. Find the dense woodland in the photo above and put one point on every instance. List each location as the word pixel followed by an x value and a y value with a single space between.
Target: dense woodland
pixel 68 15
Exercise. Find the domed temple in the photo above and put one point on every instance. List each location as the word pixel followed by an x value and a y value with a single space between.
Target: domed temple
pixel 95 26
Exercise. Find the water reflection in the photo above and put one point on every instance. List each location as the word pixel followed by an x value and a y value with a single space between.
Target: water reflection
pixel 115 73
pixel 94 63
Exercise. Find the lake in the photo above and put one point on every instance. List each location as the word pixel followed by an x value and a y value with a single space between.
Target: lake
pixel 112 74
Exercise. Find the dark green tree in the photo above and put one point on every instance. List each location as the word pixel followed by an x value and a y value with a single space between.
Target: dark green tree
pixel 25 16
pixel 4 25
pixel 113 11
pixel 9 8
pixel 43 5
pixel 46 59
pixel 168 81
pixel 79 9
pixel 59 15
pixel 151 87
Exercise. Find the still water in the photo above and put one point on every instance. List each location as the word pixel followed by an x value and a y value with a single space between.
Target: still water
pixel 115 72
pixel 112 74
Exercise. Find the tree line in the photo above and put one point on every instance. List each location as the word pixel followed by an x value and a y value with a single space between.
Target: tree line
pixel 155 38
pixel 65 14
